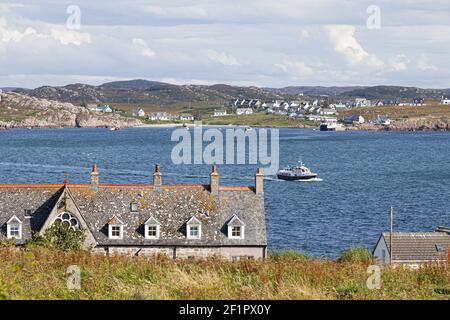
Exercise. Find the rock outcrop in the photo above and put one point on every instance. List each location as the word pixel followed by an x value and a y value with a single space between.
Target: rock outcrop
pixel 21 111
pixel 412 124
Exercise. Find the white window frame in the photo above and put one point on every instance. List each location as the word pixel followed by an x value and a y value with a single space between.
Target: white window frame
pixel 147 227
pixel 189 230
pixel 9 231
pixel 111 236
pixel 230 232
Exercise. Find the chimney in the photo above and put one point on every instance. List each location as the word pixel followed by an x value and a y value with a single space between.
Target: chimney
pixel 214 186
pixel 94 177
pixel 259 181
pixel 157 177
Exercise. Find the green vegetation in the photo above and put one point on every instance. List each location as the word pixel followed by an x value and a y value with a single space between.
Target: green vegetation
pixel 60 237
pixel 356 255
pixel 259 119
pixel 40 273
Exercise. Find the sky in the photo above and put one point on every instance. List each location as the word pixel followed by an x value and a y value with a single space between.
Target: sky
pixel 265 43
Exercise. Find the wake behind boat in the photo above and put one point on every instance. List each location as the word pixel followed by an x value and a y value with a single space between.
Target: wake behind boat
pixel 299 172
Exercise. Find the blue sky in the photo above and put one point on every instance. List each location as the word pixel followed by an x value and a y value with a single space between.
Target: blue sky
pixel 250 42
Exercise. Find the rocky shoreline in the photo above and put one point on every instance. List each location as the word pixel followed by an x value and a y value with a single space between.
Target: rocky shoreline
pixel 20 111
pixel 414 124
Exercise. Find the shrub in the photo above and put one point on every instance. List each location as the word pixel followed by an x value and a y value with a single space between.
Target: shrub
pixel 360 254
pixel 60 237
pixel 286 254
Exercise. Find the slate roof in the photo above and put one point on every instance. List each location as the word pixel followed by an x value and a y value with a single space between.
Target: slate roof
pixel 418 246
pixel 171 206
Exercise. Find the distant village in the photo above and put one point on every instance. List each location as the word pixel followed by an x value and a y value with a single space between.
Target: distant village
pixel 317 110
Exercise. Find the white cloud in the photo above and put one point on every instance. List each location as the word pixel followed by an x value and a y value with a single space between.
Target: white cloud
pixel 400 62
pixel 8 35
pixel 423 64
pixel 221 57
pixel 343 39
pixel 297 69
pixel 143 47
pixel 66 36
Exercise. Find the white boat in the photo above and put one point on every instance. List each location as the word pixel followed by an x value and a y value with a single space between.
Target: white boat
pixel 299 172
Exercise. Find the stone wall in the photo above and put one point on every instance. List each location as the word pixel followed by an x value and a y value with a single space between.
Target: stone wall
pixel 231 253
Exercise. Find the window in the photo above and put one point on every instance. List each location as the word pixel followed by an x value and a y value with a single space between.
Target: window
pixel 115 231
pixel 68 220
pixel 236 232
pixel 236 228
pixel 28 213
pixel 134 207
pixel 14 228
pixel 152 231
pixel 383 255
pixel 194 228
pixel 194 232
pixel 15 231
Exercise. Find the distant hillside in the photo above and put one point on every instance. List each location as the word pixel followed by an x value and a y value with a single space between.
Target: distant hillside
pixel 148 92
pixel 166 95
pixel 316 91
pixel 394 92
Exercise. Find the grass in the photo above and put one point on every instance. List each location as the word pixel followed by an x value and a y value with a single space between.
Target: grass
pixel 38 273
pixel 432 111
pixel 259 119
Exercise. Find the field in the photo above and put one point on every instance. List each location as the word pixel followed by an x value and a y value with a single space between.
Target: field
pixel 431 111
pixel 259 119
pixel 38 273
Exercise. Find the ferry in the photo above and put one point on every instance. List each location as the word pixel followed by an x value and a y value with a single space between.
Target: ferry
pixel 327 126
pixel 299 172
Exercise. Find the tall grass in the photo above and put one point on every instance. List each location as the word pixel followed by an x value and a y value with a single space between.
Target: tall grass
pixel 40 273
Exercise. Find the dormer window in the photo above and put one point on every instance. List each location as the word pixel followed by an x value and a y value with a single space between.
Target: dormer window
pixel 14 228
pixel 193 228
pixel 115 232
pixel 152 228
pixel 236 228
pixel 134 207
pixel 115 228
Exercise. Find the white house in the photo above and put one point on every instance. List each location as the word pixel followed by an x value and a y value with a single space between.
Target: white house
pixel 138 112
pixel 186 117
pixel 351 119
pixel 220 113
pixel 445 101
pixel 413 248
pixel 246 111
pixel 327 111
pixel 159 116
pixel 101 108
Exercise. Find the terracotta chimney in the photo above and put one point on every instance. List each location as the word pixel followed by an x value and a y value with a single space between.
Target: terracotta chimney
pixel 157 177
pixel 94 176
pixel 214 184
pixel 259 181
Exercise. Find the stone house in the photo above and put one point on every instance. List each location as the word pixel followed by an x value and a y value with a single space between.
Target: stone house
pixel 413 248
pixel 180 221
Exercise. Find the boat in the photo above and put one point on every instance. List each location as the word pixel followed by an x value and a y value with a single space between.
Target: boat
pixel 248 129
pixel 114 129
pixel 299 172
pixel 327 126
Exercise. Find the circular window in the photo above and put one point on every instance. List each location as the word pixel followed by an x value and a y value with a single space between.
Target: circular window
pixel 67 219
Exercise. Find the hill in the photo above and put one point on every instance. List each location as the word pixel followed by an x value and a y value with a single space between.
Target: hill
pixel 17 110
pixel 148 92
